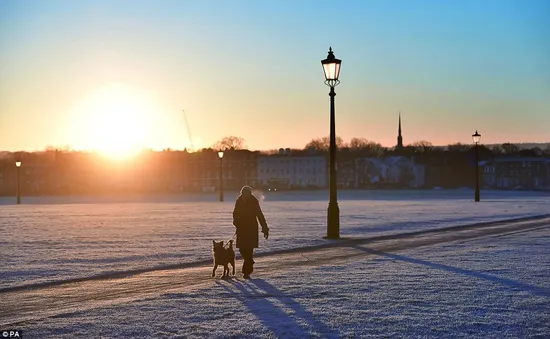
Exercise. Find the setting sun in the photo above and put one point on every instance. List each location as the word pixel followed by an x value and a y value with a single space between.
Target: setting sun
pixel 113 120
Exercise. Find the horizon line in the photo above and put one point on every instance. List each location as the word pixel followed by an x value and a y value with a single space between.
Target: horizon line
pixel 157 149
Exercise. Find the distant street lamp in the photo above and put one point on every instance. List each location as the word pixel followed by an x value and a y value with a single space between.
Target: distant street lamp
pixel 220 154
pixel 331 67
pixel 477 138
pixel 18 165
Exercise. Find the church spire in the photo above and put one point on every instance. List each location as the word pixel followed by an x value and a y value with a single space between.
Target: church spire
pixel 399 136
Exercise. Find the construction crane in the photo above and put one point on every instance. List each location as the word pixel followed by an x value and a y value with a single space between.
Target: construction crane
pixel 188 130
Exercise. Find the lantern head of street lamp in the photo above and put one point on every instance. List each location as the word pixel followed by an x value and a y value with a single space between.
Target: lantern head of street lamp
pixel 331 67
pixel 18 163
pixel 476 137
pixel 220 154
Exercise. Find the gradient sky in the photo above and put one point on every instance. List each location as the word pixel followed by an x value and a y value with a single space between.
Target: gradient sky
pixel 74 72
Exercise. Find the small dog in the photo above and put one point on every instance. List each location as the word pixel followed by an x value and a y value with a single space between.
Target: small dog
pixel 223 256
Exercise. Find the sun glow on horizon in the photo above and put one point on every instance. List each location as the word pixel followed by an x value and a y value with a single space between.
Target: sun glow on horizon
pixel 114 120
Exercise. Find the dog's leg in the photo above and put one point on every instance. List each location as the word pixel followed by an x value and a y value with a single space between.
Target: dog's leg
pixel 225 270
pixel 214 270
pixel 233 265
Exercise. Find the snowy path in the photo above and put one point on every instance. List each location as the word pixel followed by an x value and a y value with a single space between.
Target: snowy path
pixel 23 305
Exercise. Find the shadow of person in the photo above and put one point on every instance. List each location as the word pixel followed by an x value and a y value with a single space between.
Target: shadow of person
pixel 539 291
pixel 298 310
pixel 258 296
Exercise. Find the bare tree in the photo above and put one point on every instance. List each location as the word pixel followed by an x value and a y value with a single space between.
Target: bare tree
pixel 270 152
pixel 497 150
pixel 362 144
pixel 510 148
pixel 230 142
pixel 316 144
pixel 527 153
pixel 421 146
pixel 538 151
pixel 50 148
pixel 458 147
pixel 61 148
pixel 323 144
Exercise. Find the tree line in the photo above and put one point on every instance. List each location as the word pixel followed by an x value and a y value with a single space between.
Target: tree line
pixel 375 149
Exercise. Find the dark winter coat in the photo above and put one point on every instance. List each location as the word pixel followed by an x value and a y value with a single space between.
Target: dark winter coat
pixel 245 218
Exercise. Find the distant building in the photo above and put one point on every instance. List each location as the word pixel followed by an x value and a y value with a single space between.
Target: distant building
pixel 7 177
pixel 240 167
pixel 202 170
pixel 287 171
pixel 391 171
pixel 449 169
pixel 35 176
pixel 516 173
pixel 345 173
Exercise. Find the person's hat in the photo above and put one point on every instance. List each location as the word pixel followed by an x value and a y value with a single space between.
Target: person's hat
pixel 247 189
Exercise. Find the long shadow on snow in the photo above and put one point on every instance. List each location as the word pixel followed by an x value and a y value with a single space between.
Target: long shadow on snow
pixel 408 226
pixel 539 291
pixel 329 244
pixel 255 296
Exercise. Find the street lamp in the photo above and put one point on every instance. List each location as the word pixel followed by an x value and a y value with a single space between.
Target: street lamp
pixel 220 154
pixel 477 138
pixel 331 67
pixel 18 165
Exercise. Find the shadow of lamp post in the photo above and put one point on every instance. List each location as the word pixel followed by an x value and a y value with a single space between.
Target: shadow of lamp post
pixel 477 138
pixel 331 67
pixel 220 154
pixel 18 166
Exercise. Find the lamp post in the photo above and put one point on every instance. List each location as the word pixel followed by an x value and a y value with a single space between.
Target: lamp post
pixel 18 165
pixel 220 154
pixel 477 138
pixel 331 68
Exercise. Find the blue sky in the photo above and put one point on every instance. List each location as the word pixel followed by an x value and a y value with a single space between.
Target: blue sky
pixel 252 69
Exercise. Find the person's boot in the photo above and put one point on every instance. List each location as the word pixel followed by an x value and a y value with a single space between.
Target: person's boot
pixel 247 269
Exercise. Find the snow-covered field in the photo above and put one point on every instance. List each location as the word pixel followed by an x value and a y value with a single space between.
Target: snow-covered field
pixel 491 287
pixel 47 239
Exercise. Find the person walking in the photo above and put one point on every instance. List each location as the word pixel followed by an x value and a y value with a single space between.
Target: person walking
pixel 246 214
